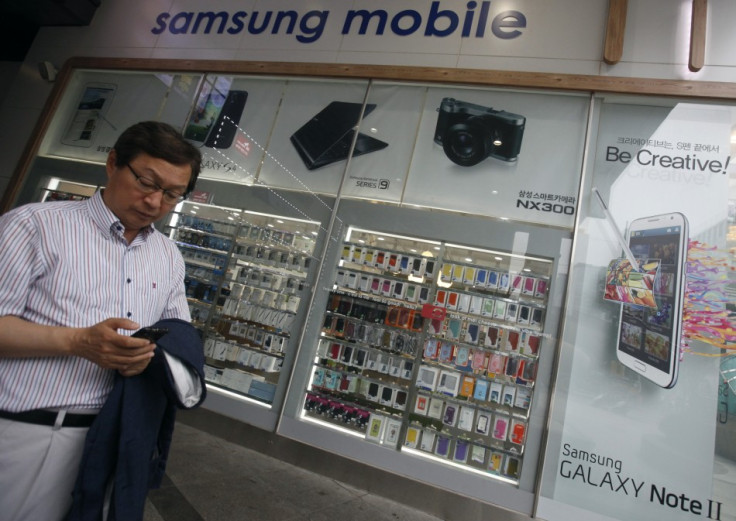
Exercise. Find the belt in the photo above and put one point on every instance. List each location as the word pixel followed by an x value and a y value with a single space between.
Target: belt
pixel 48 418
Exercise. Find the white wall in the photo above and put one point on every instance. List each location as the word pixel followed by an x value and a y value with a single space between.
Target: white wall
pixel 565 36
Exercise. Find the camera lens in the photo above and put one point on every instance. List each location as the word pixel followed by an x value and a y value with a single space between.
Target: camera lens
pixel 466 144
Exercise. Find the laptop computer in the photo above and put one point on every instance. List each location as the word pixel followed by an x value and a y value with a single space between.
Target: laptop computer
pixel 326 138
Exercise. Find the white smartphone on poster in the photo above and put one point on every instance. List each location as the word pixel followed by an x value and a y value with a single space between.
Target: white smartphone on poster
pixel 89 114
pixel 649 338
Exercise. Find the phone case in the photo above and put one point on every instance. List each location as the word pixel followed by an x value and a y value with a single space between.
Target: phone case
pixel 427 441
pixel 450 415
pixel 500 428
pixel 469 275
pixel 461 451
pixel 446 273
pixel 436 406
pixel 489 305
pixel 483 423
pixel 429 268
pixel 492 279
pixel 411 439
pixel 422 405
pixel 465 418
pixel 480 392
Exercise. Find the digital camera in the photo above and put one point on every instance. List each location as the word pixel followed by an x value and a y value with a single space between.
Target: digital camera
pixel 469 133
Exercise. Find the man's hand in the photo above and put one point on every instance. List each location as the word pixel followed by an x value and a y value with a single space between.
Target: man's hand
pixel 104 346
pixel 100 344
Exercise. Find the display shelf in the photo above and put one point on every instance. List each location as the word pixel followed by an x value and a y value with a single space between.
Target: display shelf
pixel 58 195
pixel 57 189
pixel 437 344
pixel 246 275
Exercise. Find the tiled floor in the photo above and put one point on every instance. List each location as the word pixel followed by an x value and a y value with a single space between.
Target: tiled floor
pixel 209 478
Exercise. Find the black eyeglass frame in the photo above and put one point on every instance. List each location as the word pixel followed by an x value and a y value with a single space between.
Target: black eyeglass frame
pixel 149 186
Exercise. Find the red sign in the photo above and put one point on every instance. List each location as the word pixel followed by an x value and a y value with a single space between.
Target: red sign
pixel 433 312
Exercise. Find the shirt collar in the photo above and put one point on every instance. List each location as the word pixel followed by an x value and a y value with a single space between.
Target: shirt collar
pixel 106 221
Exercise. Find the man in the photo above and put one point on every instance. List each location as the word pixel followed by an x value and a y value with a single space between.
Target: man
pixel 76 280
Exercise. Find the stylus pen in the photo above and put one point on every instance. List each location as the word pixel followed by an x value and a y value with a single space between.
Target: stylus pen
pixel 621 240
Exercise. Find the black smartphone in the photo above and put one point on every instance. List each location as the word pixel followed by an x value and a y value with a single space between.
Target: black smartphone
pixel 223 132
pixel 151 333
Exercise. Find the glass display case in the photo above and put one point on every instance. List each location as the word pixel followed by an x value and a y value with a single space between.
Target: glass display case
pixel 247 274
pixel 433 347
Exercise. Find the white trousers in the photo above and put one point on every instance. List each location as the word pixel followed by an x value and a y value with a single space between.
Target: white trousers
pixel 38 469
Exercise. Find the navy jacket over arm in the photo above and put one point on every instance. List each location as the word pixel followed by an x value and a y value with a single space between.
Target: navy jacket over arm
pixel 131 436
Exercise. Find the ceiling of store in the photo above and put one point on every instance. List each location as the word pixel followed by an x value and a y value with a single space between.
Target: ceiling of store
pixel 21 19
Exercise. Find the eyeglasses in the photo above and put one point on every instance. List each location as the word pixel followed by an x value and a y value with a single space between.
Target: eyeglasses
pixel 149 186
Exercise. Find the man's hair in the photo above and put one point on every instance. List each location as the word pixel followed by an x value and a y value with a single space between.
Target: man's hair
pixel 159 140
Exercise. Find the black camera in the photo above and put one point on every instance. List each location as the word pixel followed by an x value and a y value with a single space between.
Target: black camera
pixel 469 133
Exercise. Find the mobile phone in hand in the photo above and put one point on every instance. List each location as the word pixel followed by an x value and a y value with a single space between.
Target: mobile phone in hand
pixel 152 334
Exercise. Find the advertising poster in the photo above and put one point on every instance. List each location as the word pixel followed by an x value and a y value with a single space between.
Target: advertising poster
pixel 307 135
pixel 505 154
pixel 231 121
pixel 312 136
pixel 393 121
pixel 98 106
pixel 639 432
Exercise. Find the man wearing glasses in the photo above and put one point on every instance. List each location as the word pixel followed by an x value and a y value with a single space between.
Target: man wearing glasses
pixel 76 280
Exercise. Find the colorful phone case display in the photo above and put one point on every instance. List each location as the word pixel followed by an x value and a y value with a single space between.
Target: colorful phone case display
pixel 432 347
pixel 246 275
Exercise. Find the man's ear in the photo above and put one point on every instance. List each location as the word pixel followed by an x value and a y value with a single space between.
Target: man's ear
pixel 110 163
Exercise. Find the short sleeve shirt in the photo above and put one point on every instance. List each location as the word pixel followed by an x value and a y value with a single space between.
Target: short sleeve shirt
pixel 68 264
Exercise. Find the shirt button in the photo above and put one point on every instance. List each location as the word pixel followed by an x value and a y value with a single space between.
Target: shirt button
pixel 130 314
pixel 128 281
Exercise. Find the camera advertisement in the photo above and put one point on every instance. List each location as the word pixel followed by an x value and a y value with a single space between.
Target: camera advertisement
pixel 510 155
pixel 503 154
pixel 645 425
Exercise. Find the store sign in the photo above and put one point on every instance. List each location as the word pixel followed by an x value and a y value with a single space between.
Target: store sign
pixel 477 20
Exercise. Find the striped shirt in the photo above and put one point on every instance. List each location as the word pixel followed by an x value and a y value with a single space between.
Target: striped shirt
pixel 68 264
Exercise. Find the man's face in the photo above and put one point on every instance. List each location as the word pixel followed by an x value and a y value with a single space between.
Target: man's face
pixel 125 194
